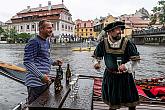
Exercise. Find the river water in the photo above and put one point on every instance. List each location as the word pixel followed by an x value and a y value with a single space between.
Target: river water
pixel 11 92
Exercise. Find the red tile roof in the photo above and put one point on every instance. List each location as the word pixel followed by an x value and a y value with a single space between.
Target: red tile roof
pixel 42 8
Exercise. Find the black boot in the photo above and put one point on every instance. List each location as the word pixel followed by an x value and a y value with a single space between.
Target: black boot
pixel 132 108
pixel 111 109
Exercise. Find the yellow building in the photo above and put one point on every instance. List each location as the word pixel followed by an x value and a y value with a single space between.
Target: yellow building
pixel 104 21
pixel 108 19
pixel 84 29
pixel 99 24
pixel 127 31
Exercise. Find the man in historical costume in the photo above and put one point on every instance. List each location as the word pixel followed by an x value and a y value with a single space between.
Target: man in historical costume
pixel 120 57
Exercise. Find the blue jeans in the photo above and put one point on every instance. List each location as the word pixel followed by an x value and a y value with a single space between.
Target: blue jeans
pixel 35 92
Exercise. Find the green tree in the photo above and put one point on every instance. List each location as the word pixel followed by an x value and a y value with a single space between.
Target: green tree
pixel 11 35
pixel 7 33
pixel 1 30
pixel 23 37
pixel 158 13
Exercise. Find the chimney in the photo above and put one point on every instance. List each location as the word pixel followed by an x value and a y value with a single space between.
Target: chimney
pixel 49 5
pixel 40 5
pixel 28 7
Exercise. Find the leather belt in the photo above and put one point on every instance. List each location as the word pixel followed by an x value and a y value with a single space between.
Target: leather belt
pixel 114 71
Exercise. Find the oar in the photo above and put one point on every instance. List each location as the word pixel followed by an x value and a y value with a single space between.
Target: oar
pixel 86 76
pixel 11 77
pixel 12 67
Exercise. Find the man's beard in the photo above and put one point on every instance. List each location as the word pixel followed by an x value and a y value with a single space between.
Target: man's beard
pixel 49 34
pixel 116 38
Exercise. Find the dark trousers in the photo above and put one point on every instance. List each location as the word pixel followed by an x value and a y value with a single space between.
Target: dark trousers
pixel 35 92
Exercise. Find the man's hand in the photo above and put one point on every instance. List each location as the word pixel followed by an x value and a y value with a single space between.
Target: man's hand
pixel 122 68
pixel 58 62
pixel 46 79
pixel 97 66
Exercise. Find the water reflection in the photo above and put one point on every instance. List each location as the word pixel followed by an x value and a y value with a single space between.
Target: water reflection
pixel 151 65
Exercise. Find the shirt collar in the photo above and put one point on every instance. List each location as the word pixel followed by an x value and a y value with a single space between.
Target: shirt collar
pixel 115 44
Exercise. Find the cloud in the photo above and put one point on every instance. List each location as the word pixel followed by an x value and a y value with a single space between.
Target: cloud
pixel 82 9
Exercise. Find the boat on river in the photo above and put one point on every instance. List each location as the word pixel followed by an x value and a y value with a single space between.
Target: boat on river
pixel 83 49
pixel 13 72
pixel 88 47
pixel 151 91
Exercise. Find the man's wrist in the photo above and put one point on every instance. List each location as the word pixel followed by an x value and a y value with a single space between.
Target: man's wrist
pixel 95 61
pixel 42 77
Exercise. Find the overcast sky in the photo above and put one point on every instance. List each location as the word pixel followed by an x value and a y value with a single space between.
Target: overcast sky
pixel 82 9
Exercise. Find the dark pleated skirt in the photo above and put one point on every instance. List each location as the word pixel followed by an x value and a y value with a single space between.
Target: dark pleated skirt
pixel 119 90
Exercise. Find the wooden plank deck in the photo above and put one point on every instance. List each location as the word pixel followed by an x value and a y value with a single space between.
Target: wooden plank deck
pixel 82 100
pixel 99 105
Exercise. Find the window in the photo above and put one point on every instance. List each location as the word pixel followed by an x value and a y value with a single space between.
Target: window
pixel 62 26
pixel 78 25
pixel 84 24
pixel 65 26
pixel 33 26
pixel 82 30
pixel 86 29
pixel 21 27
pixel 27 26
pixel 68 18
pixel 90 29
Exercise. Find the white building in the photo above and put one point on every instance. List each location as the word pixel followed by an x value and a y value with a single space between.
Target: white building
pixel 26 21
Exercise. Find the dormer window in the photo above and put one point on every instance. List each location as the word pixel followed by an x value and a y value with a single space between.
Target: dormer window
pixel 84 24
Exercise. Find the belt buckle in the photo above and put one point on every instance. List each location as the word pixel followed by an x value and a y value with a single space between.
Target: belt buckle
pixel 119 72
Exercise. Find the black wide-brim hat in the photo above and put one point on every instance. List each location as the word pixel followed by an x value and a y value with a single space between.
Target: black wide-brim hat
pixel 114 25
